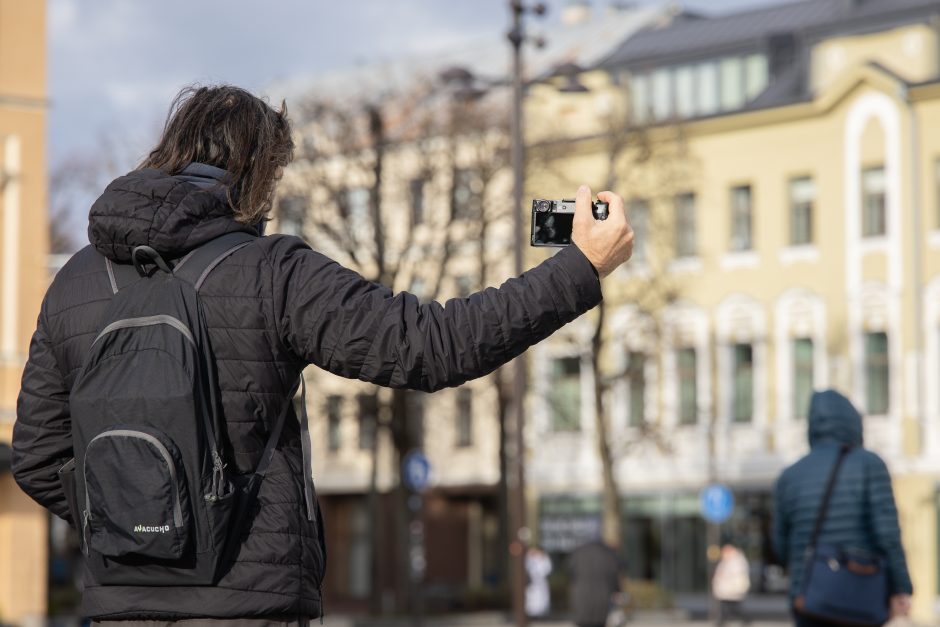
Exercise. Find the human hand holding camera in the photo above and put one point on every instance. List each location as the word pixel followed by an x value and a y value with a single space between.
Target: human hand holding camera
pixel 606 243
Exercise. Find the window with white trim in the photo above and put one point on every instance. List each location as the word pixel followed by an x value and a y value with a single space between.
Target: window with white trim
pixel 877 374
pixel 686 363
pixel 685 225
pixel 802 376
pixel 802 199
pixel 874 217
pixel 636 380
pixel 741 219
pixel 742 383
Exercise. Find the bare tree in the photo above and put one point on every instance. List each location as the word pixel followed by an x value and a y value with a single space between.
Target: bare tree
pixel 648 164
pixel 75 182
pixel 386 186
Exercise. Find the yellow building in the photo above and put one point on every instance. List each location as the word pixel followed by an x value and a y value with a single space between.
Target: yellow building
pixel 23 248
pixel 798 232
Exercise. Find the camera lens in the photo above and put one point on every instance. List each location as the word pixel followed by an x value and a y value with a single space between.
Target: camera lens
pixel 544 205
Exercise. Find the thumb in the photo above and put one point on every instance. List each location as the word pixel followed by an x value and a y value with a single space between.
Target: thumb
pixel 582 206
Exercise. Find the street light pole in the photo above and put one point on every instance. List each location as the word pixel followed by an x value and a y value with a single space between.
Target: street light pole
pixel 515 449
pixel 513 428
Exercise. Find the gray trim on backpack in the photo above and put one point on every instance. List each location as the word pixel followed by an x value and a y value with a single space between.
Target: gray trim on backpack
pixel 207 257
pixel 215 262
pixel 164 452
pixel 114 285
pixel 180 263
pixel 147 321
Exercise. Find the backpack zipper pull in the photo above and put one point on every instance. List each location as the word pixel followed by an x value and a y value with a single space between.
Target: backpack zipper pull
pixel 218 475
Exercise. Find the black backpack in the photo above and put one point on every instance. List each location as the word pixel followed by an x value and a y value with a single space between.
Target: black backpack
pixel 150 491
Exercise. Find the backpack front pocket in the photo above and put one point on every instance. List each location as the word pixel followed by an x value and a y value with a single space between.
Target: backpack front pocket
pixel 136 501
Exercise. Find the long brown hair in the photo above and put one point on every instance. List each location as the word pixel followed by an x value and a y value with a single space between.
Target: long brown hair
pixel 229 128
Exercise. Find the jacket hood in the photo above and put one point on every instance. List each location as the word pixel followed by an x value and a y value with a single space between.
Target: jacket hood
pixel 833 419
pixel 172 214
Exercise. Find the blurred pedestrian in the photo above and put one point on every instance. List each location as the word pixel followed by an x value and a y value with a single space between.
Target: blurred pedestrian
pixel 262 310
pixel 731 583
pixel 594 569
pixel 538 566
pixel 836 524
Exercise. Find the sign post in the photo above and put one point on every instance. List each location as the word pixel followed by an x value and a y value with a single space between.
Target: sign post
pixel 416 474
pixel 717 505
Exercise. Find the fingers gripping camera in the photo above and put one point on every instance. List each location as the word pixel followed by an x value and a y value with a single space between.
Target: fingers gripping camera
pixel 552 220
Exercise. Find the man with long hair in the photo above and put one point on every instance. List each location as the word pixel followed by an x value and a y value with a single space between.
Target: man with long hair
pixel 271 308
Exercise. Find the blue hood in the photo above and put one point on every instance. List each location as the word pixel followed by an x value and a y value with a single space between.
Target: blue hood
pixel 833 419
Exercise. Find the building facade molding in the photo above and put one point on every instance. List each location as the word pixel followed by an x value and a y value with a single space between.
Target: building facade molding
pixel 740 319
pixel 874 306
pixel 10 262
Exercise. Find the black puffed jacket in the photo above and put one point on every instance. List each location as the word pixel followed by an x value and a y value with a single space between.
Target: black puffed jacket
pixel 272 308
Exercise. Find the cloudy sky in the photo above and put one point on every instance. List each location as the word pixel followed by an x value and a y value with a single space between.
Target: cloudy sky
pixel 114 65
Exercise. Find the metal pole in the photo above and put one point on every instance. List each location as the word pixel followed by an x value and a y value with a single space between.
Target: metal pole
pixel 515 442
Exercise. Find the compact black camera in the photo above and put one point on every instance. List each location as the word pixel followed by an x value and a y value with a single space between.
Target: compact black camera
pixel 552 220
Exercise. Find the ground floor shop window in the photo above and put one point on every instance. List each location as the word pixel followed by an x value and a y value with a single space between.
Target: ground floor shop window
pixel 665 539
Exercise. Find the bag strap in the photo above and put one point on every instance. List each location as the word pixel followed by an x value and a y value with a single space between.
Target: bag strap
pixel 827 496
pixel 307 453
pixel 192 268
pixel 196 266
pixel 275 436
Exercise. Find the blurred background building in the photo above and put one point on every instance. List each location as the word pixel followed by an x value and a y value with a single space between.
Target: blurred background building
pixel 413 156
pixel 782 171
pixel 23 281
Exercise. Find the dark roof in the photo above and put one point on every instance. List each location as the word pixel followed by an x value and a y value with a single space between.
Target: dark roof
pixel 695 37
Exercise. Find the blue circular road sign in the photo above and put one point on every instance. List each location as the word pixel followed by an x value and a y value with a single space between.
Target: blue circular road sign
pixel 717 503
pixel 416 471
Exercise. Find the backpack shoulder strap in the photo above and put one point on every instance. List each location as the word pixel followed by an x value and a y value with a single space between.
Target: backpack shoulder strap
pixel 196 266
pixel 120 275
pixel 193 268
pixel 275 437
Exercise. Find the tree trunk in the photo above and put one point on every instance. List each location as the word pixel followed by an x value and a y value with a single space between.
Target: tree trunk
pixel 611 524
pixel 502 406
pixel 401 438
pixel 375 533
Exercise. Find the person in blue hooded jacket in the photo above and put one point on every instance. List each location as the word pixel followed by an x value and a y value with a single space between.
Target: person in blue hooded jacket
pixel 862 514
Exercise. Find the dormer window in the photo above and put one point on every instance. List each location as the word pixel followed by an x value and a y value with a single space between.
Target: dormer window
pixel 698 89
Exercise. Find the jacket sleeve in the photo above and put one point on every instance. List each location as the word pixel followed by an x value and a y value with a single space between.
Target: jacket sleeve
pixel 781 531
pixel 884 525
pixel 332 317
pixel 42 436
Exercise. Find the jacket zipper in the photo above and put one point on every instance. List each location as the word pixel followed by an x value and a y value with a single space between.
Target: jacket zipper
pixel 164 452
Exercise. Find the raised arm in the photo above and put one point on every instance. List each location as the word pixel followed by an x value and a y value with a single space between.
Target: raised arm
pixel 333 318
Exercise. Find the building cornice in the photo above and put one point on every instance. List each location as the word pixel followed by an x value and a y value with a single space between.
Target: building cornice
pixel 872 75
